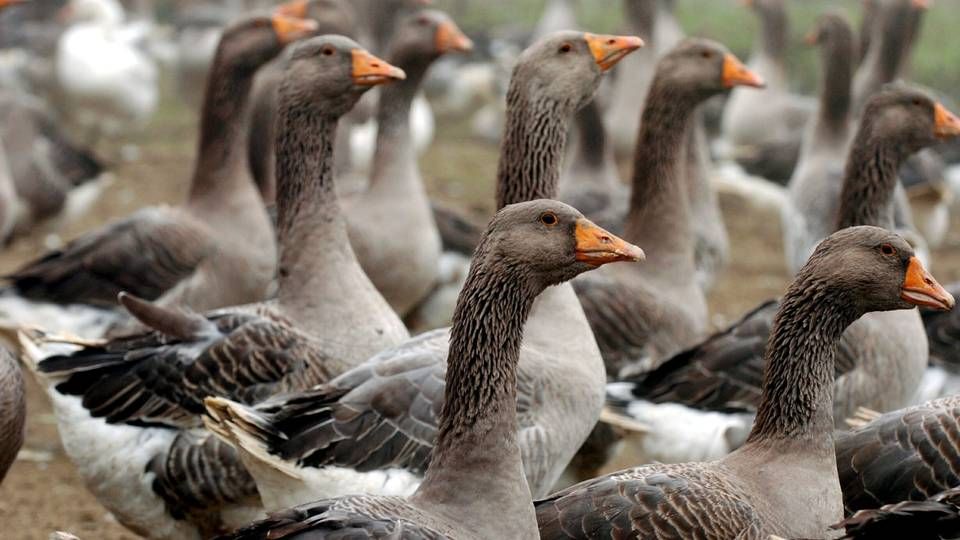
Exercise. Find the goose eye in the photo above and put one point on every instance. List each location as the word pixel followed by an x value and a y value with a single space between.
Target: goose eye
pixel 706 54
pixel 327 51
pixel 887 249
pixel 423 21
pixel 548 218
pixel 565 48
pixel 917 102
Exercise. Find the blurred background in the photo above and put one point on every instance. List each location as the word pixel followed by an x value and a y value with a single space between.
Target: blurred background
pixel 144 155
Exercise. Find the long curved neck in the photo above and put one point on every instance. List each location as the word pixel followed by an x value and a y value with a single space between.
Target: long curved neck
pixel 796 404
pixel 870 179
pixel 395 161
pixel 221 159
pixel 659 217
pixel 892 38
pixel 774 32
pixel 476 449
pixel 834 114
pixel 532 149
pixel 312 231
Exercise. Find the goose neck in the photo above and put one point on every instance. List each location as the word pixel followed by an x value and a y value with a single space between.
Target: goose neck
pixel 395 160
pixel 532 149
pixel 837 77
pixel 476 449
pixel 310 226
pixel 796 403
pixel 870 179
pixel 659 216
pixel 221 161
pixel 774 32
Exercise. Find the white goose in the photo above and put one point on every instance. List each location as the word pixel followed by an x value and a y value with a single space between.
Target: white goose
pixel 109 85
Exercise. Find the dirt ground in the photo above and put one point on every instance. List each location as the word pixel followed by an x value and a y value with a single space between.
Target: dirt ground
pixel 43 492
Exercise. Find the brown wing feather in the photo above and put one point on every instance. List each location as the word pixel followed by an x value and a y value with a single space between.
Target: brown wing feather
pixel 155 379
pixel 911 454
pixel 146 254
pixel 652 502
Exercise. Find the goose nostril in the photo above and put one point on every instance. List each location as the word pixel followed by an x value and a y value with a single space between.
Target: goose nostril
pixel 605 239
pixel 612 41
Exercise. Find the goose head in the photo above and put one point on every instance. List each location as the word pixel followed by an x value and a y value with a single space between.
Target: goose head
pixel 873 269
pixel 566 67
pixel 331 16
pixel 908 119
pixel 553 242
pixel 335 69
pixel 700 68
pixel 250 43
pixel 426 34
pixel 829 29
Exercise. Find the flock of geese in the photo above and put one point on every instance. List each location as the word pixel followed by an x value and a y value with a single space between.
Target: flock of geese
pixel 238 365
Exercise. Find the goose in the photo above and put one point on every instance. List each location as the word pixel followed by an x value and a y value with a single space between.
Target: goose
pixel 784 480
pixel 377 20
pixel 332 17
pixel 641 316
pixel 404 269
pixel 655 22
pixel 215 249
pixel 143 454
pixel 882 357
pixel 475 486
pixel 52 176
pixel 764 128
pixel 13 410
pixel 110 85
pixel 894 32
pixel 814 189
pixel 398 393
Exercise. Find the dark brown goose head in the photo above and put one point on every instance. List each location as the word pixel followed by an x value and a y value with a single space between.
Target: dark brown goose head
pixel 907 119
pixel 334 70
pixel 331 16
pixel 423 35
pixel 565 67
pixel 554 241
pixel 699 68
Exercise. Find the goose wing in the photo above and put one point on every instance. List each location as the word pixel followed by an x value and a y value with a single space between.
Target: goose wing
pixel 147 254
pixel 910 454
pixel 652 502
pixel 156 378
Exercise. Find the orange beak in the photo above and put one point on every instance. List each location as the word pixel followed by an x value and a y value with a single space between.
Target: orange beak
pixel 597 247
pixel 737 74
pixel 368 70
pixel 921 4
pixel 946 124
pixel 608 50
pixel 919 288
pixel 8 3
pixel 450 38
pixel 295 9
pixel 290 29
pixel 812 37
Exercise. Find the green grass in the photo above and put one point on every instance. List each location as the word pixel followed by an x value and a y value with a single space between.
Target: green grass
pixel 936 60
